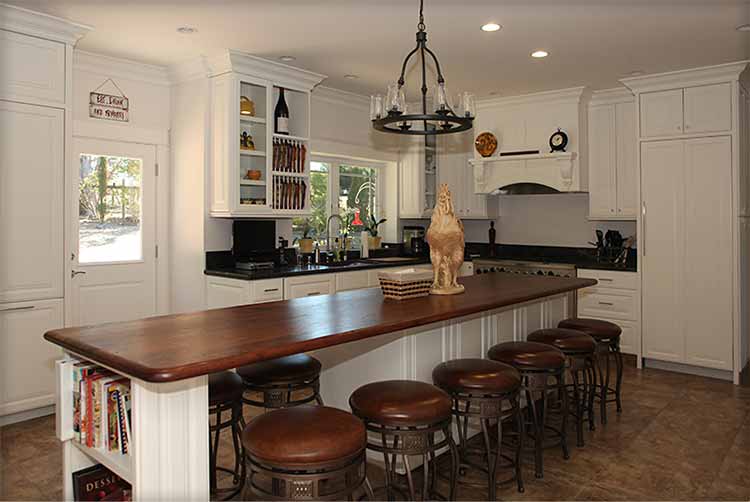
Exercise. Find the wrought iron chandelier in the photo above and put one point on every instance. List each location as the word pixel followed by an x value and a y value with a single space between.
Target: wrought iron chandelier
pixel 390 114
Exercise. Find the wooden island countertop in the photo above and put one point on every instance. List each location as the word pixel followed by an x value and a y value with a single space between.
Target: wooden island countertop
pixel 180 346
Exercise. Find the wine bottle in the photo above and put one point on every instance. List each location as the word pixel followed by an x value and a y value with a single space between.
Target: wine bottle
pixel 281 114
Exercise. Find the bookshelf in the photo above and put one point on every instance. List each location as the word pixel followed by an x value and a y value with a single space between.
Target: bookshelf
pixel 168 454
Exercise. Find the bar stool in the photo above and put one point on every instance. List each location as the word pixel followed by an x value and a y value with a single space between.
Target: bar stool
pixel 225 394
pixel 538 363
pixel 607 336
pixel 306 453
pixel 489 391
pixel 280 381
pixel 405 415
pixel 579 348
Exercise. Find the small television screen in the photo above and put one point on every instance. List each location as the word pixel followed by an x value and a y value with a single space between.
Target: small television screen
pixel 253 237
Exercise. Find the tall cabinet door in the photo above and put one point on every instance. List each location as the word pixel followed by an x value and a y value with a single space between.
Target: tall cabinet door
pixel 602 162
pixel 31 202
pixel 627 165
pixel 662 249
pixel 707 285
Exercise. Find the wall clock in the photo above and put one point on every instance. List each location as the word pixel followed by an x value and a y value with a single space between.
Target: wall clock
pixel 558 141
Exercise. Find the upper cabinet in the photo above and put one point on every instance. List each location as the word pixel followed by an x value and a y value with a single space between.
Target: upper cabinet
pixel 33 69
pixel 613 186
pixel 692 110
pixel 258 168
pixel 418 173
pixel 455 151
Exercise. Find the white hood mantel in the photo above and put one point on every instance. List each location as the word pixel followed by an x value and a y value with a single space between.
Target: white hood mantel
pixel 552 170
pixel 523 123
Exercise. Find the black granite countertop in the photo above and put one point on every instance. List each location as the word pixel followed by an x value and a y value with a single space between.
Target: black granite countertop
pixel 296 270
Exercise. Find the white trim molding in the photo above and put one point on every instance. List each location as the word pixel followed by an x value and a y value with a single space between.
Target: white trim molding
pixel 692 77
pixel 120 68
pixel 339 97
pixel 570 95
pixel 41 25
pixel 279 73
pixel 611 96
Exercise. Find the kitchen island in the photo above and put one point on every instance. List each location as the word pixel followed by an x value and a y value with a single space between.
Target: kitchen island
pixel 358 336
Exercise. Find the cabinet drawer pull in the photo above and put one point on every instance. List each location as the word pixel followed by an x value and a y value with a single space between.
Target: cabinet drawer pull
pixel 314 293
pixel 609 304
pixel 605 279
pixel 270 290
pixel 15 309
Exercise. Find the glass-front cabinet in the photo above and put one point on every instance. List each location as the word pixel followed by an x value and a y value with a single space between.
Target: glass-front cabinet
pixel 256 170
pixel 419 176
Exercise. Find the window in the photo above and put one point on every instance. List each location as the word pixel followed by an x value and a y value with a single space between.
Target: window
pixel 347 189
pixel 109 209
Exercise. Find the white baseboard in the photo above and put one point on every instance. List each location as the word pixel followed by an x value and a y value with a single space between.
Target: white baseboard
pixel 22 416
pixel 688 369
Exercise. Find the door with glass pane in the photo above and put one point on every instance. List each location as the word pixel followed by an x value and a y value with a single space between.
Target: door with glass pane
pixel 112 269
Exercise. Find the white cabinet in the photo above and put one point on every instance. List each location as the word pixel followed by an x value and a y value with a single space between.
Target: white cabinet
pixel 309 285
pixel 31 202
pixel 412 179
pixel 613 189
pixel 32 69
pixel 616 298
pixel 686 251
pixel 224 292
pixel 346 281
pixel 457 173
pixel 27 361
pixel 692 110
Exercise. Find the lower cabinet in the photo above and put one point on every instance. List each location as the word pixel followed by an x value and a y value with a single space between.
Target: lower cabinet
pixel 309 285
pixel 616 299
pixel 360 279
pixel 224 292
pixel 27 361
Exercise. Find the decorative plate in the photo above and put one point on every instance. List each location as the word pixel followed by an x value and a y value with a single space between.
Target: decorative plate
pixel 486 143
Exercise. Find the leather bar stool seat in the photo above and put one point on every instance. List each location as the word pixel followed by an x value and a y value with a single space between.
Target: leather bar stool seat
pixel 224 387
pixel 401 403
pixel 489 392
pixel 306 452
pixel 225 396
pixel 598 329
pixel 283 369
pixel 569 341
pixel 580 348
pixel 476 375
pixel 283 382
pixel 403 418
pixel 607 335
pixel 528 355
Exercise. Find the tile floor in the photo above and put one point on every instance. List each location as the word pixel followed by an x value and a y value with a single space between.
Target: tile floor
pixel 679 438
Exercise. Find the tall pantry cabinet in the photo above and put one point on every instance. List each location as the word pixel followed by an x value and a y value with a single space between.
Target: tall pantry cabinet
pixel 35 110
pixel 692 139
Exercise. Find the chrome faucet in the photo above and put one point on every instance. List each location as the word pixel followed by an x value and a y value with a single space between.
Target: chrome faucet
pixel 328 229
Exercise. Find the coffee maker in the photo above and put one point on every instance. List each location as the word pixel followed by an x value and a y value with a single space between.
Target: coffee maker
pixel 413 239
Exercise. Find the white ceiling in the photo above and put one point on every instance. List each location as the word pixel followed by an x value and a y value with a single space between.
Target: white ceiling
pixel 591 42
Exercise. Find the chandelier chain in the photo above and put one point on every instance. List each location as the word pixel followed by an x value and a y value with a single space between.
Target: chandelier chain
pixel 421 26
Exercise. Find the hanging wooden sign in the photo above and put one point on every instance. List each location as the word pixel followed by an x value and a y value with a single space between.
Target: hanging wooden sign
pixel 109 106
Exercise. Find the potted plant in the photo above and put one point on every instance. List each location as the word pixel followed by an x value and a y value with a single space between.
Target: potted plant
pixel 373 240
pixel 306 242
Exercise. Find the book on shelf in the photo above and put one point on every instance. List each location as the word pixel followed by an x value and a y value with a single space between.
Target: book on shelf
pixel 99 483
pixel 101 408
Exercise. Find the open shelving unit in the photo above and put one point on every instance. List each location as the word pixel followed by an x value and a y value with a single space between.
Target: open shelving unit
pixel 270 176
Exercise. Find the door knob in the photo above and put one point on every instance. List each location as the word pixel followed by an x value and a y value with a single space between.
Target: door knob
pixel 74 273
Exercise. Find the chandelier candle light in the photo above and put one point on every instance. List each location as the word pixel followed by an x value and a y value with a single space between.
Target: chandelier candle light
pixel 389 114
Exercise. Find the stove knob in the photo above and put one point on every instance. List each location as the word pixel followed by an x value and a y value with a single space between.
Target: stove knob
pixel 550 273
pixel 539 272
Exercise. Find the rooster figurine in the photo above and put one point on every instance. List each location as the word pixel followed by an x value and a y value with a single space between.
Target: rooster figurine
pixel 446 239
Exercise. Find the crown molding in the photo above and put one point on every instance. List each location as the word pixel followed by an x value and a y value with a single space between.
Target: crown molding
pixel 41 25
pixel 186 71
pixel 339 97
pixel 573 95
pixel 278 73
pixel 611 96
pixel 706 75
pixel 120 68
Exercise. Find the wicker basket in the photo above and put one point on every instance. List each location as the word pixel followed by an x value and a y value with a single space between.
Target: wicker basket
pixel 405 284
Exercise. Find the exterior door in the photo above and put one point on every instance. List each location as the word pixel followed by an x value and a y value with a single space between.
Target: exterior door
pixel 112 260
pixel 662 249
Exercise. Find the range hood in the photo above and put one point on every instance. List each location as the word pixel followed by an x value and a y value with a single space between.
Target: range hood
pixel 545 173
pixel 524 124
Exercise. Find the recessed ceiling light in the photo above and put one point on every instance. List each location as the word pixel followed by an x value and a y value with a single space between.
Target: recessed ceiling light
pixel 287 59
pixel 351 76
pixel 187 30
pixel 539 54
pixel 743 27
pixel 491 27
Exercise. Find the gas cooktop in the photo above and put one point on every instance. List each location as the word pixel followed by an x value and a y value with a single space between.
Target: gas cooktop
pixel 489 265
